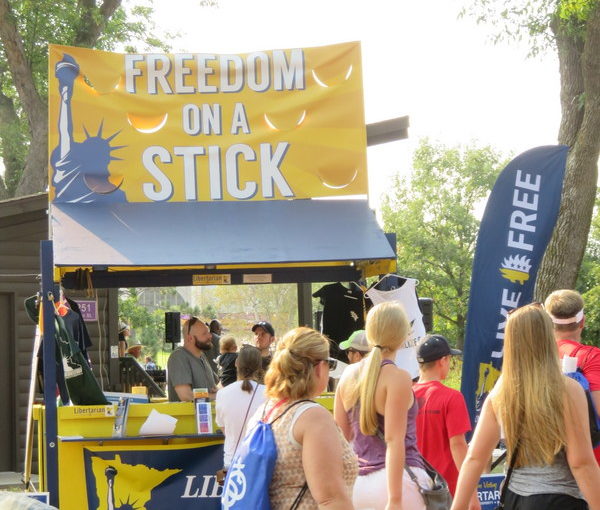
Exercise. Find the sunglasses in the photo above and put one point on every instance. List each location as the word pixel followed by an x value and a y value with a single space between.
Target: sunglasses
pixel 331 363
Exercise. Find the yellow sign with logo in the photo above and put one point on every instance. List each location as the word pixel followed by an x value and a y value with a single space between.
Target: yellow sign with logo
pixel 278 124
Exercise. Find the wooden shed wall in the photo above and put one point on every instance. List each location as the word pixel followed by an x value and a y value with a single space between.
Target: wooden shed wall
pixel 23 224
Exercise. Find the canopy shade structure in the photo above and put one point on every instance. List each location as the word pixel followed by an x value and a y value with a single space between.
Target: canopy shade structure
pixel 280 241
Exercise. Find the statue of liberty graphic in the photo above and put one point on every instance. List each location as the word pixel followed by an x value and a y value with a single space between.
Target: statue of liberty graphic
pixel 80 168
pixel 110 474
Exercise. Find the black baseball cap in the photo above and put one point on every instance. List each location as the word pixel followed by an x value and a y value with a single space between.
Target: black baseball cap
pixel 266 326
pixel 434 347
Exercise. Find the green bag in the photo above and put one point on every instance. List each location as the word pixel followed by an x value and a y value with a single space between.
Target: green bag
pixel 81 384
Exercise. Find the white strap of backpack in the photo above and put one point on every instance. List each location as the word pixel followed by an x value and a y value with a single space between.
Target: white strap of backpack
pixel 244 423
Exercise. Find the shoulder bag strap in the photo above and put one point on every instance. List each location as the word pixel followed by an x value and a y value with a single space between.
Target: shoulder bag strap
pixel 299 497
pixel 513 459
pixel 304 488
pixel 244 423
pixel 289 407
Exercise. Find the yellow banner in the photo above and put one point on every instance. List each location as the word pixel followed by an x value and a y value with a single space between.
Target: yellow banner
pixel 277 124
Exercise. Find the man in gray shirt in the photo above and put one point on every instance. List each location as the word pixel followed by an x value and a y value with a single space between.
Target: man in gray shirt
pixel 188 367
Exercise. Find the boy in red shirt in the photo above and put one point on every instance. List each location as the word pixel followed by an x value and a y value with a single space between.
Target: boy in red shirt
pixel 443 419
pixel 565 308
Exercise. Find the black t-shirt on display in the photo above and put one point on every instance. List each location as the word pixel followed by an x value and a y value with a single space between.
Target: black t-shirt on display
pixel 343 313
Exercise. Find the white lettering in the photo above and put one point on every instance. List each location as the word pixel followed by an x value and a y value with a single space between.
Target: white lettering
pixel 158 75
pixel 166 188
pixel 288 76
pixel 239 120
pixel 202 121
pixel 259 77
pixel 519 242
pixel 524 202
pixel 131 72
pixel 233 177
pixel 214 168
pixel 526 183
pixel 189 169
pixel 269 168
pixel 520 221
pixel 203 72
pixel 181 71
pixel 511 301
pixel 188 486
pixel 238 73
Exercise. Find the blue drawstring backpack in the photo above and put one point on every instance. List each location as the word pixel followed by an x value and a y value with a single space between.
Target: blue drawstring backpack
pixel 248 478
pixel 593 417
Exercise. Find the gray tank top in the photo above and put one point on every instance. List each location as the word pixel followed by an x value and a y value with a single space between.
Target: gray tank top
pixel 555 478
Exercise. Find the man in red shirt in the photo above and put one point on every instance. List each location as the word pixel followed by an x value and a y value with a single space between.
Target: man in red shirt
pixel 443 418
pixel 565 308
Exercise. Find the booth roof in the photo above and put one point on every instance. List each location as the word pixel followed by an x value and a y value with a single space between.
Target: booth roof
pixel 128 236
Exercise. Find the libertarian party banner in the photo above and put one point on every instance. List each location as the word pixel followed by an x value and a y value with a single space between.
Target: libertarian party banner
pixel 278 124
pixel 516 227
pixel 153 477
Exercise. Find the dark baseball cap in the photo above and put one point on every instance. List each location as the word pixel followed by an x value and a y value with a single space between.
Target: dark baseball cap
pixel 434 347
pixel 266 326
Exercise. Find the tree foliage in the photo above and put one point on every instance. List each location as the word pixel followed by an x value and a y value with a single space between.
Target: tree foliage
pixel 588 283
pixel 147 323
pixel 26 29
pixel 433 212
pixel 571 28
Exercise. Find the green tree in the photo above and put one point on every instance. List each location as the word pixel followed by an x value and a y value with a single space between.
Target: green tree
pixel 571 29
pixel 588 283
pixel 433 212
pixel 147 323
pixel 240 306
pixel 26 28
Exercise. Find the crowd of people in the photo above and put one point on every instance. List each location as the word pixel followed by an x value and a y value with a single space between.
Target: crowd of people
pixel 386 432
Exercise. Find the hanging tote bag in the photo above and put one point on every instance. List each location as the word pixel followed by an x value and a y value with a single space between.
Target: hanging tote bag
pixel 438 496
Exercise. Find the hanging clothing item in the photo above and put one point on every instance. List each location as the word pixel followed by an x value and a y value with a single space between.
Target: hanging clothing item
pixel 343 313
pixel 75 324
pixel 83 388
pixel 405 294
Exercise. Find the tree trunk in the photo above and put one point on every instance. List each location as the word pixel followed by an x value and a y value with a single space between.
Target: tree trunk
pixel 580 128
pixel 11 141
pixel 93 21
pixel 34 175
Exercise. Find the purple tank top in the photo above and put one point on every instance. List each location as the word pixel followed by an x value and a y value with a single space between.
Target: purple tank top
pixel 371 449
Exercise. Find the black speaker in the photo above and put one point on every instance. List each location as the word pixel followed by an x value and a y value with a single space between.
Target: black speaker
pixel 426 306
pixel 172 327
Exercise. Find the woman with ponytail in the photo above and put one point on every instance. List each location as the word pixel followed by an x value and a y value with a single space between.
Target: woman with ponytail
pixel 236 403
pixel 376 409
pixel 315 465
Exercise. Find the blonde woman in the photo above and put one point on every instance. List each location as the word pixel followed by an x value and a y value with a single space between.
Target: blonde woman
pixel 310 448
pixel 375 407
pixel 543 417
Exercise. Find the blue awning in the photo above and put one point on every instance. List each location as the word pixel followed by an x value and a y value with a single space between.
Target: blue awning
pixel 175 234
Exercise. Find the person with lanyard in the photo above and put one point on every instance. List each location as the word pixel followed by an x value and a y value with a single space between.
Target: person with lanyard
pixel 542 416
pixel 310 448
pixel 376 409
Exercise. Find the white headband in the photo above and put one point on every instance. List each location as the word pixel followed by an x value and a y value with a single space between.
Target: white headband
pixel 570 320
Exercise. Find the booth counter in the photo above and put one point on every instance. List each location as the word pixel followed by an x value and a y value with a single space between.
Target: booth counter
pixel 100 472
